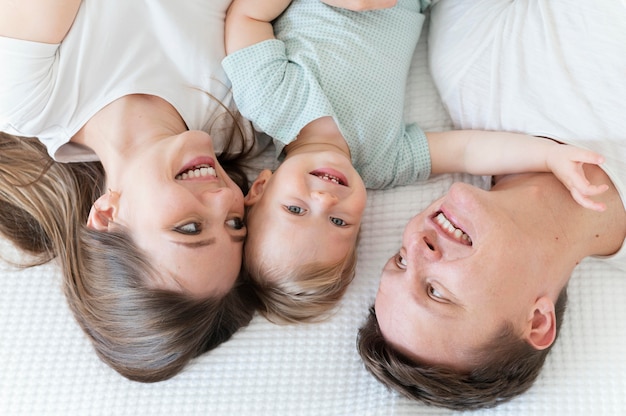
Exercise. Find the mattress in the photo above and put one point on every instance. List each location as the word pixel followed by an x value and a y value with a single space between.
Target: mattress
pixel 48 367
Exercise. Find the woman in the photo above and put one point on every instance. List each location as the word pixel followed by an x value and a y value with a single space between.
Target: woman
pixel 150 241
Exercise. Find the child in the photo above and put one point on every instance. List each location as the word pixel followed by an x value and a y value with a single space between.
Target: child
pixel 328 85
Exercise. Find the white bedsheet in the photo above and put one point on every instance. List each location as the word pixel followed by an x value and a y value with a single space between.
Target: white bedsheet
pixel 47 366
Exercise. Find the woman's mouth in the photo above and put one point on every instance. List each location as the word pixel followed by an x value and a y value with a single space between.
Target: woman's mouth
pixel 450 229
pixel 330 175
pixel 197 171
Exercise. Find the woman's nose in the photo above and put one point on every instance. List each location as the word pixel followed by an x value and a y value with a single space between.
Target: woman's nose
pixel 220 201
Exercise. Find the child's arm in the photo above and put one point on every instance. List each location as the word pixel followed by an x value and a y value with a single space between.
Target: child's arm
pixel 495 153
pixel 361 5
pixel 250 21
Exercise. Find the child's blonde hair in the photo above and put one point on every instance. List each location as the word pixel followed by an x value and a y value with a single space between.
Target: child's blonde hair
pixel 306 293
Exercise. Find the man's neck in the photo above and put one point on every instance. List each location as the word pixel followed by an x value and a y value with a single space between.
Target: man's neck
pixel 612 222
pixel 588 232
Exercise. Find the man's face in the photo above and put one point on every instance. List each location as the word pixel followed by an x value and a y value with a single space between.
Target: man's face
pixel 460 275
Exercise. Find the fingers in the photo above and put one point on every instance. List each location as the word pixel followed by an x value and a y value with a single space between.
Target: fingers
pixel 582 190
pixel 579 186
pixel 582 185
pixel 586 156
pixel 567 164
pixel 587 202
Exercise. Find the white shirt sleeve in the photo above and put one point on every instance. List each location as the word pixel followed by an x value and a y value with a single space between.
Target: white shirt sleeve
pixel 27 82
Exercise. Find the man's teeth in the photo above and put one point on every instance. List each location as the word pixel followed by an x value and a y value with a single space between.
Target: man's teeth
pixel 197 172
pixel 447 226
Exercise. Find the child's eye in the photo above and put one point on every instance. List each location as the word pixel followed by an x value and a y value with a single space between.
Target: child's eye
pixel 294 209
pixel 191 228
pixel 235 223
pixel 400 261
pixel 338 222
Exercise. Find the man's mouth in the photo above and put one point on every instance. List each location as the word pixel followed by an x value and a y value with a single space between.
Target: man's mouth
pixel 197 171
pixel 452 230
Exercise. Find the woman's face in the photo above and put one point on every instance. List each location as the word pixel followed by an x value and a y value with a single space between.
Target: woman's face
pixel 183 209
pixel 466 266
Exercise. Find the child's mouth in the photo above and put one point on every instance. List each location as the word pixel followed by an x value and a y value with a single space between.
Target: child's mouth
pixel 330 175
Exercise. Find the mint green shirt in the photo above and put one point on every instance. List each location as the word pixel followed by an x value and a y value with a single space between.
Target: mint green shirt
pixel 352 66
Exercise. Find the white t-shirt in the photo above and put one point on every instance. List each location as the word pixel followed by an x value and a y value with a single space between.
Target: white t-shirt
pixel 553 68
pixel 161 47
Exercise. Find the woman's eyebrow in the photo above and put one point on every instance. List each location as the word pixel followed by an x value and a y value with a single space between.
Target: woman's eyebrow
pixel 195 244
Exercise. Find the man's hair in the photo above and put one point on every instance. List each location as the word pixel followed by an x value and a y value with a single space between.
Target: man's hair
pixel 306 293
pixel 509 367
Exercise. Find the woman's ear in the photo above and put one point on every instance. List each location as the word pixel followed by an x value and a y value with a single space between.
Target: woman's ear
pixel 258 186
pixel 542 324
pixel 103 211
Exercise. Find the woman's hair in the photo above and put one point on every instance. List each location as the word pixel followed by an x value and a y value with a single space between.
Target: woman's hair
pixel 307 293
pixel 144 333
pixel 509 367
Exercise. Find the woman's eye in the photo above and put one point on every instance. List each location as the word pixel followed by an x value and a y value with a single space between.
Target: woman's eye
pixel 338 222
pixel 294 209
pixel 400 261
pixel 191 228
pixel 235 223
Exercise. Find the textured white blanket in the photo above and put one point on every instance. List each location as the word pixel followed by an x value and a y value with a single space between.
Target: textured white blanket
pixel 47 366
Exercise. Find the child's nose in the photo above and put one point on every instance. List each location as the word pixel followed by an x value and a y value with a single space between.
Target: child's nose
pixel 324 199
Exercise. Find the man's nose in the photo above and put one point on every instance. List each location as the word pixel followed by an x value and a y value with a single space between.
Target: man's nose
pixel 424 246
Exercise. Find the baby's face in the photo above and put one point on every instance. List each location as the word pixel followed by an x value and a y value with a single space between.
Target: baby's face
pixel 310 210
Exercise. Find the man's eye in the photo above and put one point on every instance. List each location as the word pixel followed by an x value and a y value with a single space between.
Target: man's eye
pixel 191 228
pixel 235 223
pixel 435 294
pixel 400 261
pixel 338 222
pixel 294 209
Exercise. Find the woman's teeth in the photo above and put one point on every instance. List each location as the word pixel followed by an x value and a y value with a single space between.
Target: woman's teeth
pixel 448 227
pixel 196 172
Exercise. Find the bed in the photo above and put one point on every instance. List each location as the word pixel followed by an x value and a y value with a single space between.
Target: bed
pixel 48 367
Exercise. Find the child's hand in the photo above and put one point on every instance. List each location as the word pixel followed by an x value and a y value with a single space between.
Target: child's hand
pixel 566 162
pixel 361 5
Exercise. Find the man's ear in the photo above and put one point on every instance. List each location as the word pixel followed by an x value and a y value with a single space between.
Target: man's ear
pixel 541 330
pixel 258 187
pixel 103 211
